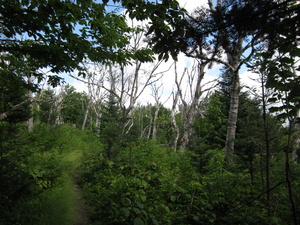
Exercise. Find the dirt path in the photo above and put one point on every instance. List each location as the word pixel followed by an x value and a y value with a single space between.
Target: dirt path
pixel 81 208
pixel 81 213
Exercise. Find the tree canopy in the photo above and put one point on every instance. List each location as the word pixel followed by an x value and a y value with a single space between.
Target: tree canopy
pixel 61 34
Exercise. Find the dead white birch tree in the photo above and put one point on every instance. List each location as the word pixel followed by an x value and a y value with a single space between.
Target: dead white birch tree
pixel 157 92
pixel 58 106
pixel 176 93
pixel 132 80
pixel 30 96
pixel 95 80
pixel 233 47
pixel 192 99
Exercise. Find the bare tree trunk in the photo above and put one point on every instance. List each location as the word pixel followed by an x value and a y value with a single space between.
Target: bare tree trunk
pixel 98 123
pixel 86 114
pixel 154 127
pixel 232 118
pixel 30 96
pixel 267 141
pixel 173 110
pixel 156 93
pixel 58 105
pixel 150 123
pixel 234 44
pixel 175 130
pixel 192 109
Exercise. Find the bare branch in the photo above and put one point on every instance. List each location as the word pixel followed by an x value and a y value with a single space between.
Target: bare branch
pixel 16 107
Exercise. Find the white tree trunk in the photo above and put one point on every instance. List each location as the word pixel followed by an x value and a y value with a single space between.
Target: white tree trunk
pixel 86 114
pixel 232 119
pixel 154 127
pixel 30 96
pixel 58 107
pixel 175 130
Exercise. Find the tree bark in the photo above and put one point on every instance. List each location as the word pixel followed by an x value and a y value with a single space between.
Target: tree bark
pixel 86 114
pixel 58 107
pixel 267 140
pixel 30 95
pixel 232 118
pixel 154 128
pixel 175 130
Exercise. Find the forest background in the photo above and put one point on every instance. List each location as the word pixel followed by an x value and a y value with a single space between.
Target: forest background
pixel 196 150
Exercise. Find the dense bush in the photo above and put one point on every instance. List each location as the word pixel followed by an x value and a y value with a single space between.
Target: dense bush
pixel 149 184
pixel 33 165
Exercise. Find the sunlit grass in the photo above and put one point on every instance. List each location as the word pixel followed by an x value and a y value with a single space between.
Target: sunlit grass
pixel 59 204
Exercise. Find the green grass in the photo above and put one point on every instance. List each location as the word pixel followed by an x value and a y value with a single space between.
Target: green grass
pixel 59 203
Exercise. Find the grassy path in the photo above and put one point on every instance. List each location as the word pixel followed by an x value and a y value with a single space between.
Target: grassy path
pixel 65 205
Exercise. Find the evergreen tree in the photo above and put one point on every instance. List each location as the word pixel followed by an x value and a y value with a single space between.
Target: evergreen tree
pixel 110 132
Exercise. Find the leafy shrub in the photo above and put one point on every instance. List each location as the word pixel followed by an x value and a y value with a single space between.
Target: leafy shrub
pixel 32 163
pixel 141 186
pixel 149 184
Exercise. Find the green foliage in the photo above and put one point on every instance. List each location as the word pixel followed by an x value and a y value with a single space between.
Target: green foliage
pixel 148 184
pixel 164 132
pixel 143 121
pixel 73 106
pixel 167 26
pixel 14 87
pixel 60 34
pixel 111 127
pixel 136 186
pixel 44 114
pixel 211 128
pixel 34 168
pixel 28 167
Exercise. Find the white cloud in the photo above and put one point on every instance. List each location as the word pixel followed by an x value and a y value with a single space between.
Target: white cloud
pixel 249 79
pixel 80 86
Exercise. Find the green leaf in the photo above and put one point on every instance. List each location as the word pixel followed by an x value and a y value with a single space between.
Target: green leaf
pixel 173 198
pixel 143 198
pixel 136 210
pixel 138 221
pixel 295 52
pixel 125 212
pixel 287 60
pixel 272 99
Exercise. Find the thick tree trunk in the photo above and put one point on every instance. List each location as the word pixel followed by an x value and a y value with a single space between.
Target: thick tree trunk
pixel 232 118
